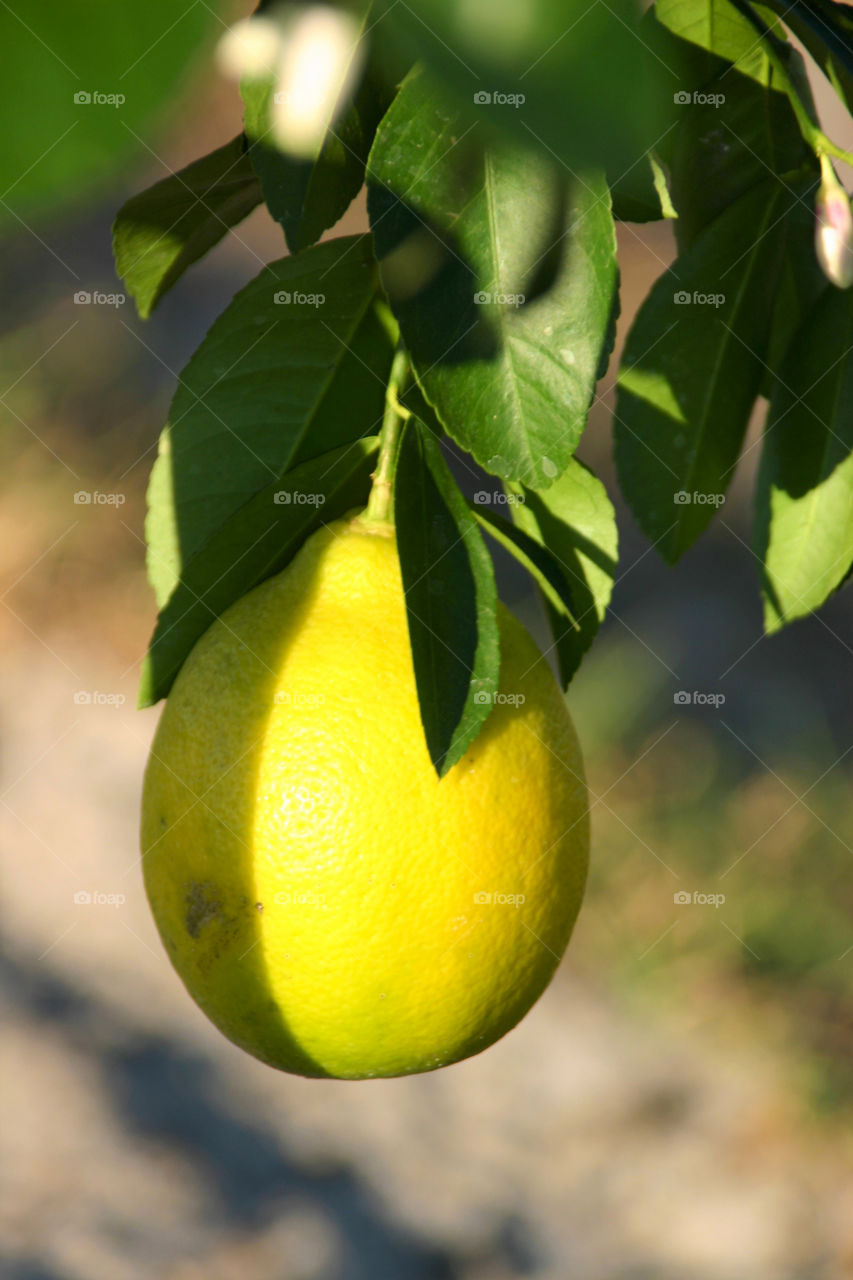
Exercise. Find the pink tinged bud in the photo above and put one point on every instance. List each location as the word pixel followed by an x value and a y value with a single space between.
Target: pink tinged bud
pixel 834 233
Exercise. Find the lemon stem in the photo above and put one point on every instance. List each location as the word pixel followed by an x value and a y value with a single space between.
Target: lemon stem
pixel 380 504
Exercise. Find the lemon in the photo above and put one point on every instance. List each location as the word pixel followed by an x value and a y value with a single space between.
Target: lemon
pixel 333 907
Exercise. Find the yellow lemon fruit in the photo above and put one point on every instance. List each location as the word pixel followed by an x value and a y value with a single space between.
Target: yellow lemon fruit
pixel 333 907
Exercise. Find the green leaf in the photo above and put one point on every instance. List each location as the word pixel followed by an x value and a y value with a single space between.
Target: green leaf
pixel 451 600
pixel 825 29
pixel 82 84
pixel 553 70
pixel 718 27
pixel 642 194
pixel 163 230
pixel 459 224
pixel 723 151
pixel 804 499
pixel 801 283
pixel 735 124
pixel 575 520
pixel 733 133
pixel 309 196
pixel 272 384
pixel 536 559
pixel 254 542
pixel 692 367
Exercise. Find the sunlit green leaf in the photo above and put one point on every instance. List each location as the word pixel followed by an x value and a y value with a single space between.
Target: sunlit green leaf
pixel 692 367
pixel 163 230
pixel 575 520
pixel 804 503
pixel 502 279
pixel 255 541
pixel 294 367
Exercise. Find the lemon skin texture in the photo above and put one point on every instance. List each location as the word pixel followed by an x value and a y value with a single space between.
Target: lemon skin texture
pixel 332 906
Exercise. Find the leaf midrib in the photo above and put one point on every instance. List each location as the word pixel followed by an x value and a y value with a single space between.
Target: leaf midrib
pixel 506 348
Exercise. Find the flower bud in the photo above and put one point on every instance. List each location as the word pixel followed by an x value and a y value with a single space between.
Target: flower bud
pixel 834 229
pixel 320 59
pixel 310 54
pixel 250 48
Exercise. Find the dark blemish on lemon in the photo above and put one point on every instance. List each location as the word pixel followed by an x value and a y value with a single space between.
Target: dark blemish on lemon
pixel 202 906
pixel 163 823
pixel 259 906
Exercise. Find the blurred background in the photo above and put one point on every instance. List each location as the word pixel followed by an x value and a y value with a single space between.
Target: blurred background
pixel 678 1105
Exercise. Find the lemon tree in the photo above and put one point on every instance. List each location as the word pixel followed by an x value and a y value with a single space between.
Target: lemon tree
pixel 498 147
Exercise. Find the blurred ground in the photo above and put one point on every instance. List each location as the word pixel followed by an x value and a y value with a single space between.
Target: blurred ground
pixel 678 1105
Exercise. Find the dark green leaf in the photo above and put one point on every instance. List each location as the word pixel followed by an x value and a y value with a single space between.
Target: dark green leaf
pixel 554 69
pixel 735 123
pixel 801 282
pixel 458 225
pixel 451 599
pixel 576 522
pixel 163 230
pixel 309 196
pixel 536 559
pixel 826 30
pixel 413 400
pixel 692 367
pixel 804 500
pixel 272 384
pixel 636 195
pixel 255 541
pixel 726 149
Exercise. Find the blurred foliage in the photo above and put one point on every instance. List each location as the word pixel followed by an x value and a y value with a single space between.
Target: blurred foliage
pixel 711 801
pixel 81 80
